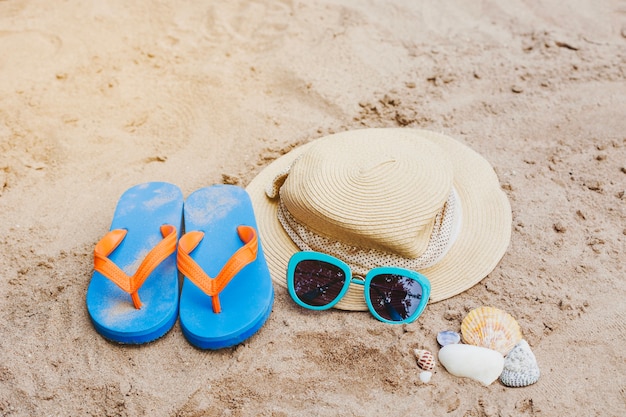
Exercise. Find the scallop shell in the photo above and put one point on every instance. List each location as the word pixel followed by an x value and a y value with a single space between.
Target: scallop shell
pixel 491 328
pixel 425 359
pixel 448 337
pixel 520 367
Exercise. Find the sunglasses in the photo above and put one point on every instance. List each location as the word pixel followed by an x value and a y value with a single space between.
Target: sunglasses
pixel 393 295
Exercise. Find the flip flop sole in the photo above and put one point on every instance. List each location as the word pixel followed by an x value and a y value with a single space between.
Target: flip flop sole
pixel 247 300
pixel 141 210
pixel 229 340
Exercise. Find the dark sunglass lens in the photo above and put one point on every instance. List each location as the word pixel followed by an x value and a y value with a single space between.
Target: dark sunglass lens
pixel 395 297
pixel 317 283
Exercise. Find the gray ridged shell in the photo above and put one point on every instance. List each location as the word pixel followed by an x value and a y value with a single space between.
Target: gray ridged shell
pixel 520 367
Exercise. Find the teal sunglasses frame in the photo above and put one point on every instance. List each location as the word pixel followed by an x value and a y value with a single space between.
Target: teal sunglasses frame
pixel 350 278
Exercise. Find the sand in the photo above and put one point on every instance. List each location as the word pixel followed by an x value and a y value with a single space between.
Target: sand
pixel 97 96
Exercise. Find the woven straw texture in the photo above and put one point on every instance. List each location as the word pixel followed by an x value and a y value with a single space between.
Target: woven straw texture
pixel 382 190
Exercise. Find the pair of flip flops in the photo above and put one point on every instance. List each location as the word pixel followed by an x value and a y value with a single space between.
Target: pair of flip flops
pixel 227 294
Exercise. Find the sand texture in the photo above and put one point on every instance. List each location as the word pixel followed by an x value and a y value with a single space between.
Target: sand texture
pixel 97 96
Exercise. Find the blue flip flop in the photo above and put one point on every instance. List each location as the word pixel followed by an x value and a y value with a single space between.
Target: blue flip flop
pixel 227 292
pixel 133 294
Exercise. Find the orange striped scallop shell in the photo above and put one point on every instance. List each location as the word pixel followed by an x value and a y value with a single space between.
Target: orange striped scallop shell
pixel 491 328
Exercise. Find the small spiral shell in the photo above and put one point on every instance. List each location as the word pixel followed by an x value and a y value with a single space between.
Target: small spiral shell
pixel 425 359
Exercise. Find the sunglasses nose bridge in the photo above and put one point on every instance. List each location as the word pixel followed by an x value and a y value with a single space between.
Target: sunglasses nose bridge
pixel 358 280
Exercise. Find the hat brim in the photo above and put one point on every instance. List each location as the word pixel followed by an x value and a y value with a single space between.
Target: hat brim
pixel 482 240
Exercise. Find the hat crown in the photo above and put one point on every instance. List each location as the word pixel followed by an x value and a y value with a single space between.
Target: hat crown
pixel 369 192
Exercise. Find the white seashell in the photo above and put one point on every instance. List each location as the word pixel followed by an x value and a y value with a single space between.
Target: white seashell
pixel 491 328
pixel 425 359
pixel 474 362
pixel 425 376
pixel 448 337
pixel 520 367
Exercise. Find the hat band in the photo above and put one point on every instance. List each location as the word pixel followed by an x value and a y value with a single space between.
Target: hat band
pixel 445 230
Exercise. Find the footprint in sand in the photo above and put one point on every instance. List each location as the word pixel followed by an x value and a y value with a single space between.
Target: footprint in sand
pixel 257 24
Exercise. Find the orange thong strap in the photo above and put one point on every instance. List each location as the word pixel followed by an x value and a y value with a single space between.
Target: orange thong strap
pixel 213 286
pixel 131 284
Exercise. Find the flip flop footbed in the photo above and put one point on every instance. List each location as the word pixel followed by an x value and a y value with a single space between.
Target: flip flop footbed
pixel 141 211
pixel 246 301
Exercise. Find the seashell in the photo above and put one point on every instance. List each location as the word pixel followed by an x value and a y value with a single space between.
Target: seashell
pixel 425 359
pixel 448 337
pixel 491 328
pixel 425 376
pixel 474 362
pixel 520 367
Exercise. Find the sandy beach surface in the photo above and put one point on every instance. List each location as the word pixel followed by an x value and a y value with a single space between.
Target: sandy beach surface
pixel 97 96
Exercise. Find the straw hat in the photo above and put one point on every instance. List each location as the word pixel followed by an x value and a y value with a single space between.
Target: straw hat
pixel 385 197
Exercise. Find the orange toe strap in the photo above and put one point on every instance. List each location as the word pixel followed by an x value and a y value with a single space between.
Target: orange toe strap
pixel 213 286
pixel 131 284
